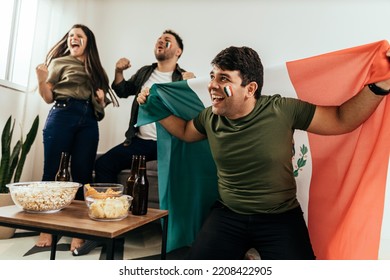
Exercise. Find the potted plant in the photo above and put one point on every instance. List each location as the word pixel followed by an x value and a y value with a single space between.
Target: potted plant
pixel 12 163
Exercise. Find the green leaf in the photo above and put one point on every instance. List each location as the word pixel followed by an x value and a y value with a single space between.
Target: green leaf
pixel 301 162
pixel 304 150
pixel 6 138
pixel 26 148
pixel 14 160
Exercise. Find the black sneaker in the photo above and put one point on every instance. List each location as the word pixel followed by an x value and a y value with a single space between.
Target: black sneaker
pixel 87 247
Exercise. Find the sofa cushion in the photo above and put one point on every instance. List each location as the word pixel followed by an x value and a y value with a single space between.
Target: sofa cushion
pixel 151 172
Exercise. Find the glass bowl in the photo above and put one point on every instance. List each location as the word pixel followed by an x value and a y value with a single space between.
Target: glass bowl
pixel 103 190
pixel 110 208
pixel 43 197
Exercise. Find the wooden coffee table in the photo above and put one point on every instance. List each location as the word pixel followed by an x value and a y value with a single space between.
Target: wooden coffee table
pixel 73 221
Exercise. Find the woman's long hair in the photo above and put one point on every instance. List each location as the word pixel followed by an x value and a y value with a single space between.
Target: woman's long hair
pixel 92 63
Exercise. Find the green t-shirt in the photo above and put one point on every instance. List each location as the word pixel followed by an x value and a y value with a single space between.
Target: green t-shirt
pixel 253 154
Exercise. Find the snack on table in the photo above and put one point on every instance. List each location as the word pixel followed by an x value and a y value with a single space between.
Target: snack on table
pixel 92 192
pixel 43 197
pixel 111 208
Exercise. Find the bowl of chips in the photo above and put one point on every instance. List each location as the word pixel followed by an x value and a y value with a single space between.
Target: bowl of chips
pixel 113 208
pixel 102 190
pixel 43 196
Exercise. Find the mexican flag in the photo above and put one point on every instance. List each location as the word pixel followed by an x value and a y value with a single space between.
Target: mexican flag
pixel 342 180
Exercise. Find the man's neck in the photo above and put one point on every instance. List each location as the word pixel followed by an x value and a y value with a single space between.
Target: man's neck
pixel 166 65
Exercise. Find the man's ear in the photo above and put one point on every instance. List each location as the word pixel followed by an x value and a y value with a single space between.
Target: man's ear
pixel 179 52
pixel 252 87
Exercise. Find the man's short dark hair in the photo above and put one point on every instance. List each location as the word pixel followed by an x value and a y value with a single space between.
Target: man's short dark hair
pixel 246 61
pixel 179 40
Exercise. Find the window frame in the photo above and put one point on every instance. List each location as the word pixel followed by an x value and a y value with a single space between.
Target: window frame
pixel 7 80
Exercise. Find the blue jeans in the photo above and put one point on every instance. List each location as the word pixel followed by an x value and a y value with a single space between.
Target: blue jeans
pixel 71 126
pixel 226 235
pixel 109 165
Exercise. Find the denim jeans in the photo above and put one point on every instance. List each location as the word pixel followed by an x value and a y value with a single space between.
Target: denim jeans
pixel 71 126
pixel 109 165
pixel 226 235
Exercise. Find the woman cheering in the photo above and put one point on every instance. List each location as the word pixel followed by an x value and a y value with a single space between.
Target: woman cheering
pixel 73 78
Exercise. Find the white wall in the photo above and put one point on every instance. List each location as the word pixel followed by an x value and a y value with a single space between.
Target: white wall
pixel 280 30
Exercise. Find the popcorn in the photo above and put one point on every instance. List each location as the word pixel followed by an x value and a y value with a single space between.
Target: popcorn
pixel 43 197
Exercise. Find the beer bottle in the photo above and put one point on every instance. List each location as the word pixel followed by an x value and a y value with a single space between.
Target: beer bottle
pixel 133 175
pixel 140 190
pixel 63 170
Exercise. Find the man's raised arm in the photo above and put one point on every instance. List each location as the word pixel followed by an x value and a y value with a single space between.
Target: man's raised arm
pixel 184 130
pixel 333 120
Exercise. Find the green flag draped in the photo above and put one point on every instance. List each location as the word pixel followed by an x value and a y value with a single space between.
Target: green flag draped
pixel 187 176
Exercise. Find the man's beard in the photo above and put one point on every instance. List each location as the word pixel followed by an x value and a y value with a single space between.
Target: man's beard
pixel 163 56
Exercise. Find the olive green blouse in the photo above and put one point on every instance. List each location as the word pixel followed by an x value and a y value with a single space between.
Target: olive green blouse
pixel 70 80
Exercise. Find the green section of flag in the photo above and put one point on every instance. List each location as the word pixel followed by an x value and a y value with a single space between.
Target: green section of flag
pixel 187 176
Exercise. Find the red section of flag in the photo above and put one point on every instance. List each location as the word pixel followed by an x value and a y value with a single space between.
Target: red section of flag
pixel 348 181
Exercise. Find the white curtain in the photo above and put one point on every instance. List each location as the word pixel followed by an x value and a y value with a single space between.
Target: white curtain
pixel 54 19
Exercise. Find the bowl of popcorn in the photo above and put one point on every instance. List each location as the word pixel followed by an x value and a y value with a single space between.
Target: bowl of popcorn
pixel 113 208
pixel 102 190
pixel 43 197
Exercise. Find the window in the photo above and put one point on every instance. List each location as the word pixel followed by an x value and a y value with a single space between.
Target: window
pixel 17 25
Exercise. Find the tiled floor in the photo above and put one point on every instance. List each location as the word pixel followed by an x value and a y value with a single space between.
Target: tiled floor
pixel 140 243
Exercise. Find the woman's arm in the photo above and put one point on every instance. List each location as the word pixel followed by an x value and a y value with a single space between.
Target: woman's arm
pixel 44 88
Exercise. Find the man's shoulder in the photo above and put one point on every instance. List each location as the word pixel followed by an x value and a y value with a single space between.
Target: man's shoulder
pixel 179 69
pixel 282 103
pixel 148 67
pixel 277 99
pixel 154 66
pixel 207 112
pixel 144 71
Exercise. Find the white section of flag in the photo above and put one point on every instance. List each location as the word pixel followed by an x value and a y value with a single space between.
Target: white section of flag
pixel 277 81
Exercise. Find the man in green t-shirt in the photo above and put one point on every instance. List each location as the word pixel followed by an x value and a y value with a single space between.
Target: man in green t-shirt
pixel 250 138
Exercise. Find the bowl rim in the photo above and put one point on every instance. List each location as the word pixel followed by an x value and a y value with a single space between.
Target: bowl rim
pixel 90 198
pixel 104 185
pixel 31 189
pixel 64 184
